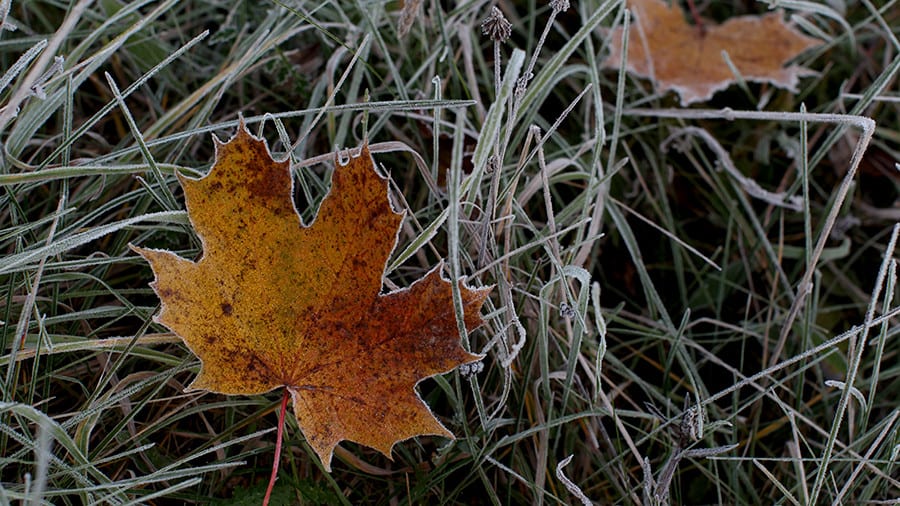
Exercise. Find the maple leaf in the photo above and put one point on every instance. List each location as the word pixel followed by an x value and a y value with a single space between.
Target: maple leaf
pixel 677 56
pixel 272 303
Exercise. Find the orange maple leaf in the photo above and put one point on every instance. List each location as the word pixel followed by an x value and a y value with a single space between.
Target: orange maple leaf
pixel 677 56
pixel 273 303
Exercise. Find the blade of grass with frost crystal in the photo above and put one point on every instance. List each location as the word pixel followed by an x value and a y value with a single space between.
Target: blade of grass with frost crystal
pixel 71 344
pixel 37 112
pixel 853 368
pixel 164 196
pixel 493 123
pixel 155 384
pixel 656 304
pixel 61 437
pixel 454 208
pixel 110 105
pixel 578 330
pixel 21 64
pixel 389 105
pixel 70 172
pixel 543 82
pixel 21 261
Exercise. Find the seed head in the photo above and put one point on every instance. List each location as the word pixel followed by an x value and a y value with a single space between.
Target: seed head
pixel 496 26
pixel 559 5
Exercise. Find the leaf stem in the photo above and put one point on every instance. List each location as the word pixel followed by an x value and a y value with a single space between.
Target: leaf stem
pixel 278 444
pixel 701 27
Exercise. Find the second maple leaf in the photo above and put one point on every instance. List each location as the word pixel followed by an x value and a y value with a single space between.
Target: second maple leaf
pixel 273 303
pixel 677 56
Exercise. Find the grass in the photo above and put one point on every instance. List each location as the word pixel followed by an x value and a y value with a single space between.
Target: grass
pixel 657 333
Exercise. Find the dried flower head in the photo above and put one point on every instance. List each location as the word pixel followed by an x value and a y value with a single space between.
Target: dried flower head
pixel 496 26
pixel 567 311
pixel 559 5
pixel 471 370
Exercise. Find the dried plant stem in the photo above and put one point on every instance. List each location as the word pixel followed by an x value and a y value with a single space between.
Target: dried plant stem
pixel 498 74
pixel 701 28
pixel 278 443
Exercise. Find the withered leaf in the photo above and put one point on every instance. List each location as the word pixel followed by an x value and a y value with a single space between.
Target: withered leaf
pixel 677 56
pixel 272 303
